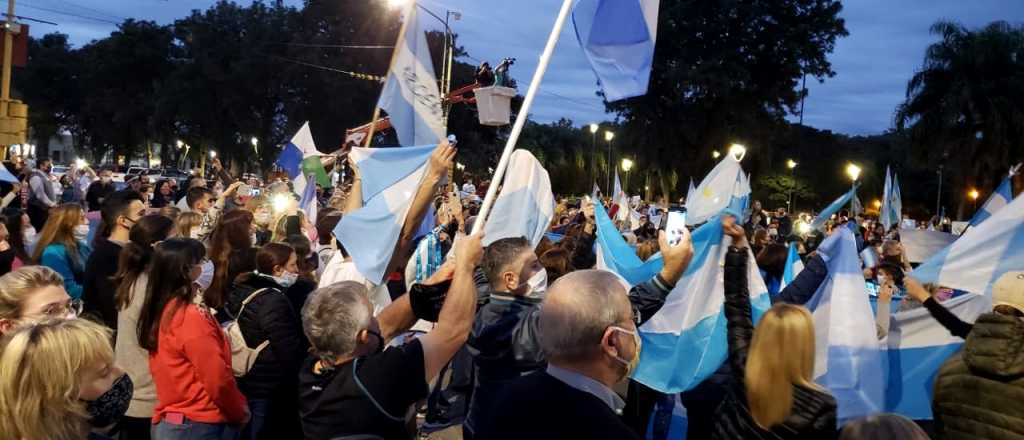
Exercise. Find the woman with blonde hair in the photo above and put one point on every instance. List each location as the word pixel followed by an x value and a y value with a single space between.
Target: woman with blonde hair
pixel 59 381
pixel 34 293
pixel 187 225
pixel 772 394
pixel 62 246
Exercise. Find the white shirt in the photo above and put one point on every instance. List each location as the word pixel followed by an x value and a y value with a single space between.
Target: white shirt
pixel 341 269
pixel 468 188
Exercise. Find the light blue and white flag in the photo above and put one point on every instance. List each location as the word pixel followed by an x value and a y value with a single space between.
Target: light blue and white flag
pixel 974 261
pixel 309 204
pixel 896 201
pixel 917 347
pixel 685 342
pixel 722 188
pixel 619 198
pixel 299 158
pixel 885 213
pixel 390 180
pixel 848 360
pixel 794 265
pixel 525 206
pixel 690 192
pixel 999 198
pixel 595 194
pixel 617 256
pixel 618 39
pixel 410 95
pixel 831 209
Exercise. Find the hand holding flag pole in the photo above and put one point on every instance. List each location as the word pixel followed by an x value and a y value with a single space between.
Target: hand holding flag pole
pixel 517 129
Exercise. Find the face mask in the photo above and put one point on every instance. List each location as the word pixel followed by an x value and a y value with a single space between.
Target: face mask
pixel 109 407
pixel 194 233
pixel 538 284
pixel 29 235
pixel 773 232
pixel 263 218
pixel 882 279
pixel 206 276
pixel 632 363
pixel 81 232
pixel 286 279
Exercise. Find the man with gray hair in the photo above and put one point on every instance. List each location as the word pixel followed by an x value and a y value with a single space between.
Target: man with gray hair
pixel 351 385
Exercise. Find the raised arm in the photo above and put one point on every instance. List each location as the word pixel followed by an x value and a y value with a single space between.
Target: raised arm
pixel 739 321
pixel 947 319
pixel 456 317
pixel 354 199
pixel 437 168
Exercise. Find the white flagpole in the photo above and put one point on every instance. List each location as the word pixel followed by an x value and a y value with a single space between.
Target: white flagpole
pixel 499 171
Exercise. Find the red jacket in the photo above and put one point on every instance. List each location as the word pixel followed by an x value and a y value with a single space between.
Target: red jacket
pixel 192 368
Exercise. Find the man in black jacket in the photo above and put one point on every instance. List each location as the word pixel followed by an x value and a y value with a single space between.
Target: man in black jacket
pixel 120 211
pixel 589 327
pixel 99 190
pixel 505 341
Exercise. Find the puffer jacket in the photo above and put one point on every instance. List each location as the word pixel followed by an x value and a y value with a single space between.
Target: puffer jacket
pixel 813 415
pixel 268 316
pixel 979 392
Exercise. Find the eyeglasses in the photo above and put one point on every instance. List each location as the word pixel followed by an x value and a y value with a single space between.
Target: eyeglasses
pixel 60 310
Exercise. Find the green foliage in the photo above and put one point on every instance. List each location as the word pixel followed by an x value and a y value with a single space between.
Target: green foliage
pixel 780 186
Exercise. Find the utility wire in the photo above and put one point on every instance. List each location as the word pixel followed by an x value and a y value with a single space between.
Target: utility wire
pixel 70 14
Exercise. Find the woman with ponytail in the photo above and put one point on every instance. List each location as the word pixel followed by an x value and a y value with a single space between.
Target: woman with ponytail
pixel 132 280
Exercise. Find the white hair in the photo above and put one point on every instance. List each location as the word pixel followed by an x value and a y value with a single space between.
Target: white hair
pixel 333 316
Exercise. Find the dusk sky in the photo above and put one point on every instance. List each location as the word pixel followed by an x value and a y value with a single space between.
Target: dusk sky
pixel 886 45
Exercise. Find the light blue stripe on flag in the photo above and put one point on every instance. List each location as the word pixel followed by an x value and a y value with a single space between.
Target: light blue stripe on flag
pixel 618 256
pixel 1000 198
pixel 618 39
pixel 834 207
pixel 410 95
pixel 794 265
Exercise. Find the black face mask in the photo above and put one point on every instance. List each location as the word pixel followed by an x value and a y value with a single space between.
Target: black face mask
pixel 111 406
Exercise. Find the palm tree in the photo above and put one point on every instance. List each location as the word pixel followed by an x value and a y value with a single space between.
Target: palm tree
pixel 965 107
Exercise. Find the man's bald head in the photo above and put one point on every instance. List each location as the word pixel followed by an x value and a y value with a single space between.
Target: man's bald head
pixel 577 310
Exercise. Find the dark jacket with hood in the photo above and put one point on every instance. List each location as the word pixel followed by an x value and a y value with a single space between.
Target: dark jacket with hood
pixel 813 415
pixel 504 345
pixel 979 392
pixel 268 316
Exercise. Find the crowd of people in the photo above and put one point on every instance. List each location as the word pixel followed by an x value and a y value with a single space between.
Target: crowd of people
pixel 221 311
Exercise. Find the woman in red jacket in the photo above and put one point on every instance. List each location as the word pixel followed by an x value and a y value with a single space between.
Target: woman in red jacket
pixel 189 357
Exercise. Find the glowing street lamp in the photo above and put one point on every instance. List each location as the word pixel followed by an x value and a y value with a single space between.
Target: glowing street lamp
pixel 737 151
pixel 878 204
pixel 608 136
pixel 853 171
pixel 213 154
pixel 593 128
pixel 715 154
pixel 180 144
pixel 791 164
pixel 973 194
pixel 627 165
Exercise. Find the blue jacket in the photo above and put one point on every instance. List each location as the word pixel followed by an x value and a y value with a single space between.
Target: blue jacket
pixel 56 257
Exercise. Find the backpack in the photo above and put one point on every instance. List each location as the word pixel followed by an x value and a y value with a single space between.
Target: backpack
pixel 242 357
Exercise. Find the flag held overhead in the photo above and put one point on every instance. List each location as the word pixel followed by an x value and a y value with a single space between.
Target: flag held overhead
pixel 618 39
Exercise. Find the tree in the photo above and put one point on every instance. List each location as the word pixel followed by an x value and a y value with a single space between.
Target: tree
pixel 780 186
pixel 48 85
pixel 966 105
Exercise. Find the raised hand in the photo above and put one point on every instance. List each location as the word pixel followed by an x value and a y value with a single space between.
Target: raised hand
pixel 441 160
pixel 732 229
pixel 677 258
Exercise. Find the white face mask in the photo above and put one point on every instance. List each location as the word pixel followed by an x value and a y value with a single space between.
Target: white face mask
pixel 882 279
pixel 81 232
pixel 538 284
pixel 29 235
pixel 205 276
pixel 194 233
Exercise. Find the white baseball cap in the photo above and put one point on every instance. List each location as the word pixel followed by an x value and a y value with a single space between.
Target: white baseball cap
pixel 1008 290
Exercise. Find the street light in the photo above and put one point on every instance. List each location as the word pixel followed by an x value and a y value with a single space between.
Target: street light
pixel 626 166
pixel 593 154
pixel 608 136
pixel 593 128
pixel 180 144
pixel 791 164
pixel 973 194
pixel 853 171
pixel 213 154
pixel 878 204
pixel 715 154
pixel 737 151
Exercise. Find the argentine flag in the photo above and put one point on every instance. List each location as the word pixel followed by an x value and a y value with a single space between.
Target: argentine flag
pixel 885 215
pixel 974 261
pixel 794 265
pixel 834 207
pixel 618 38
pixel 725 186
pixel 895 201
pixel 689 193
pixel 685 342
pixel 391 178
pixel 619 198
pixel 300 158
pixel 848 360
pixel 410 95
pixel 617 256
pixel 526 204
pixel 1000 198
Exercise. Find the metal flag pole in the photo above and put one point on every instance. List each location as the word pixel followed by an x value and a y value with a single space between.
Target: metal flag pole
pixel 538 75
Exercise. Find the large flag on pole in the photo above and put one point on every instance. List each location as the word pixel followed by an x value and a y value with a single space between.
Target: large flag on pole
pixel 300 158
pixel 885 215
pixel 834 207
pixel 794 265
pixel 717 191
pixel 615 255
pixel 685 342
pixel 1000 198
pixel 618 38
pixel 848 360
pixel 410 95
pixel 974 261
pixel 390 179
pixel 690 192
pixel 526 204
pixel 896 202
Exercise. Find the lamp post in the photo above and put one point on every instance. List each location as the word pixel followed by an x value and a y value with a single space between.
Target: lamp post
pixel 255 142
pixel 608 136
pixel 715 154
pixel 973 194
pixel 737 151
pixel 853 171
pixel 626 166
pixel 938 198
pixel 593 155
pixel 791 164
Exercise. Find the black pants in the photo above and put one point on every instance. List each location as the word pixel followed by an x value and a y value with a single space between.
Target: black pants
pixel 37 215
pixel 134 428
